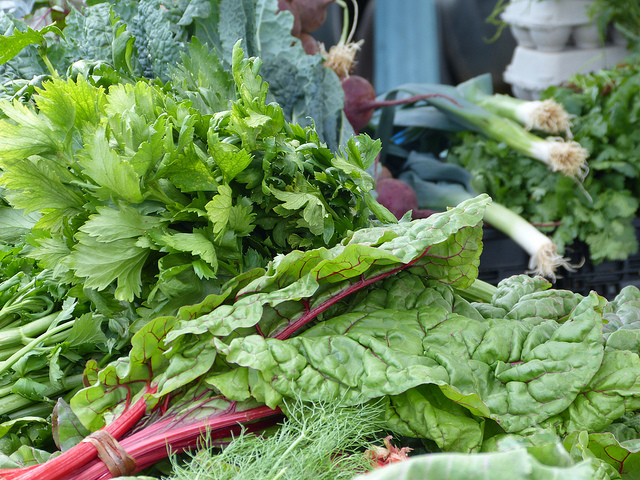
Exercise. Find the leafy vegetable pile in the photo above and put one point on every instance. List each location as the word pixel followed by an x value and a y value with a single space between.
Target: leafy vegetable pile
pixel 604 106
pixel 138 187
pixel 388 320
pixel 216 264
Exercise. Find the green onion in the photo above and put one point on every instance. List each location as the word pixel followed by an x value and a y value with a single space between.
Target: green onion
pixel 566 157
pixel 547 116
pixel 544 258
pixel 543 253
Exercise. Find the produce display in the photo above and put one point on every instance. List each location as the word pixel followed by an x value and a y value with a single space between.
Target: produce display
pixel 200 277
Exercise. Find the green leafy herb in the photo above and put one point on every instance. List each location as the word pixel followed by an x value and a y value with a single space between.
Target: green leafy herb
pixel 113 42
pixel 135 183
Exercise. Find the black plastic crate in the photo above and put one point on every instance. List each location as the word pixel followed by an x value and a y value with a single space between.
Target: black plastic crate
pixel 606 278
pixel 501 258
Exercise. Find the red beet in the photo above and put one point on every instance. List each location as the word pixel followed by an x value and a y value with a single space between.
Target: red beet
pixel 312 13
pixel 399 198
pixel 359 95
pixel 360 101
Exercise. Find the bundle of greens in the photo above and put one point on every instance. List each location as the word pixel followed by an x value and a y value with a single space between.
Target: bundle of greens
pixel 381 316
pixel 47 332
pixel 604 109
pixel 147 190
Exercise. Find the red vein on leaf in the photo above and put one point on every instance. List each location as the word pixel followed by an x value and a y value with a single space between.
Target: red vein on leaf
pixel 310 314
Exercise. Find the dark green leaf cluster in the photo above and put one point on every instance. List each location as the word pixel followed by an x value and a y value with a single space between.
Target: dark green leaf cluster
pixel 605 109
pixel 139 190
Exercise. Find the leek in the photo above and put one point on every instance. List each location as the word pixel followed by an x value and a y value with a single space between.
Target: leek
pixel 547 116
pixel 565 156
pixel 544 258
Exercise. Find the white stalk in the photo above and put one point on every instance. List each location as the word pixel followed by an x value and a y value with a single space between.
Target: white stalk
pixel 544 115
pixel 567 157
pixel 543 254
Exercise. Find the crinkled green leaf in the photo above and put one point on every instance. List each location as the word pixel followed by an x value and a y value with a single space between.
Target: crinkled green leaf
pixel 302 275
pixel 424 412
pixel 621 319
pixel 613 392
pixel 548 364
pixel 512 289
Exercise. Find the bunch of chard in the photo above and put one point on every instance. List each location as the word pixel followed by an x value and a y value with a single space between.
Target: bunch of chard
pixel 183 376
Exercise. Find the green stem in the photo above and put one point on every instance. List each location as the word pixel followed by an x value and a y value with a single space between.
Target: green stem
pixel 17 406
pixel 47 62
pixel 285 455
pixel 478 291
pixel 42 410
pixel 345 22
pixel 8 363
pixel 280 473
pixel 348 33
pixel 6 353
pixel 11 337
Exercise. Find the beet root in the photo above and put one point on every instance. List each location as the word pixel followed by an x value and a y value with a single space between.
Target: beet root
pixel 312 13
pixel 399 198
pixel 358 98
